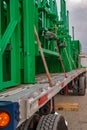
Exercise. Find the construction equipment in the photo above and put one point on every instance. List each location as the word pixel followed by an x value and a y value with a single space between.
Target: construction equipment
pixel 32 33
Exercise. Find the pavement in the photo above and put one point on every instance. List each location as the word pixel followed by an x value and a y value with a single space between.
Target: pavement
pixel 77 120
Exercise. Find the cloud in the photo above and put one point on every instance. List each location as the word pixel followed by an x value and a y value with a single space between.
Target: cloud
pixel 78 18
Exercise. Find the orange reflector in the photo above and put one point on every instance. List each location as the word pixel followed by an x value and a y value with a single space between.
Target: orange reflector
pixel 4 119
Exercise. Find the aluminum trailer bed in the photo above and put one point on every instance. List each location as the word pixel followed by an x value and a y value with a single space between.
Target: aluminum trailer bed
pixel 32 97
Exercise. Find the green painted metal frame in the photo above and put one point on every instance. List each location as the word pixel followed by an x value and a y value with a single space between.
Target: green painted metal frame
pixel 20 59
pixel 11 35
pixel 29 41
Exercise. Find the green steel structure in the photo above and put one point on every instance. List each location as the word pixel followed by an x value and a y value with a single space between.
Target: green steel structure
pixel 20 59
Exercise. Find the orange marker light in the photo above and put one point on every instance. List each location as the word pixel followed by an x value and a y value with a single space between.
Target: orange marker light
pixel 4 119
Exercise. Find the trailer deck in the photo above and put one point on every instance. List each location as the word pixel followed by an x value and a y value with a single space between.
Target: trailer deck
pixel 34 96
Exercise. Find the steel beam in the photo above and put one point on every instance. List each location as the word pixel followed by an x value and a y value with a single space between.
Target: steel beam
pixel 29 41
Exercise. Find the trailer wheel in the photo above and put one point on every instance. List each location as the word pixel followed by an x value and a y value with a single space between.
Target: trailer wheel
pixel 52 122
pixel 45 110
pixel 21 127
pixel 63 91
pixel 82 85
pixel 75 88
pixel 30 124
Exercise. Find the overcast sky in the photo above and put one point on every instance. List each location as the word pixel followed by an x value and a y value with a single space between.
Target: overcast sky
pixel 78 19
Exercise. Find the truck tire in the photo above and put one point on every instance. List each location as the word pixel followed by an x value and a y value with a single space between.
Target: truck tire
pixel 75 88
pixel 52 122
pixel 30 124
pixel 63 91
pixel 45 110
pixel 82 85
pixel 21 127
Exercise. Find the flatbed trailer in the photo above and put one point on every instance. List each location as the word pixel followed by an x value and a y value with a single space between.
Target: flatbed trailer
pixel 31 97
pixel 32 32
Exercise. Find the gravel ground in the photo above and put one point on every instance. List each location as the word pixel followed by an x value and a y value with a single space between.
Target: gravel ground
pixel 77 120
